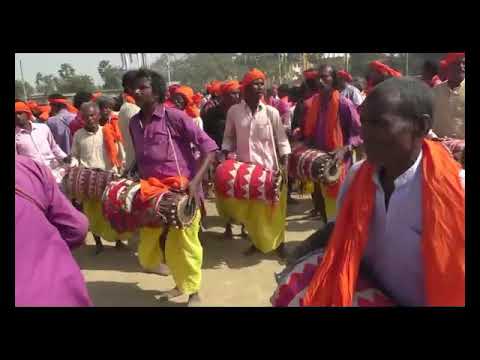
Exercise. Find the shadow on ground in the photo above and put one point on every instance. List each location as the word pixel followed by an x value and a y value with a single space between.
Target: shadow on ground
pixel 126 295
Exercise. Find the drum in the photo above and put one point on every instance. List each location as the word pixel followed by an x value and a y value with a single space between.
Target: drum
pixel 293 283
pixel 239 180
pixel 123 208
pixel 314 165
pixel 85 183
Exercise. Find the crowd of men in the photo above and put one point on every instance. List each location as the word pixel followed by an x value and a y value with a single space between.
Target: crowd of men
pixel 401 141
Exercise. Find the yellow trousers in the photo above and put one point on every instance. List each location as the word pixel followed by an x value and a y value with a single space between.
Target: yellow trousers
pixel 264 222
pixel 99 225
pixel 183 254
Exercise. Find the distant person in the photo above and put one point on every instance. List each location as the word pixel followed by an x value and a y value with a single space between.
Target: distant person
pixel 183 100
pixel 128 109
pixel 79 98
pixel 430 73
pixel 379 72
pixel 59 123
pixel 36 141
pixel 283 107
pixel 47 228
pixel 214 90
pixel 449 100
pixel 344 85
pixel 361 84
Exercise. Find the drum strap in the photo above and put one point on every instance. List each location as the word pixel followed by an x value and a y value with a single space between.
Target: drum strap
pixel 171 144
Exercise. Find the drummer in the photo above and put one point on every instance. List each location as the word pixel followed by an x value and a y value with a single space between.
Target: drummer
pixel 35 140
pixel 331 123
pixel 254 131
pixel 401 213
pixel 162 138
pixel 89 149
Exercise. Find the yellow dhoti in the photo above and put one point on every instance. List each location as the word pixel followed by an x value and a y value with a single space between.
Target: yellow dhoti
pixel 264 222
pixel 184 254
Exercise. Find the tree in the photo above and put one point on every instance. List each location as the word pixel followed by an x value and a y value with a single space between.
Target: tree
pixel 66 71
pixel 75 84
pixel 111 75
pixel 19 92
pixel 45 84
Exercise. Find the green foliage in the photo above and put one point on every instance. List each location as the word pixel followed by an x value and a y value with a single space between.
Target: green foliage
pixel 45 84
pixel 111 75
pixel 19 91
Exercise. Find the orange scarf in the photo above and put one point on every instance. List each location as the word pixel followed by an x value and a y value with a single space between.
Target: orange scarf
pixel 127 98
pixel 443 236
pixel 112 136
pixel 333 130
pixel 152 187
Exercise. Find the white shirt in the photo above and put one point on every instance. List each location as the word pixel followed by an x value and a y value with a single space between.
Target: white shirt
pixel 252 137
pixel 125 114
pixel 393 252
pixel 89 149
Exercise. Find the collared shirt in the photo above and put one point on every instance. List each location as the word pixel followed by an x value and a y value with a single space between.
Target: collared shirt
pixel 38 144
pixel 126 113
pixel 46 273
pixel 252 136
pixel 154 152
pixel 394 254
pixel 449 111
pixel 60 127
pixel 89 149
pixel 353 94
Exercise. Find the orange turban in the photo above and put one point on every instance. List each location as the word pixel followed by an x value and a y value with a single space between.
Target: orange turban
pixel 345 75
pixel 32 105
pixel 69 105
pixel 251 76
pixel 96 95
pixel 214 87
pixel 23 108
pixel 44 112
pixel 230 86
pixel 311 74
pixel 197 98
pixel 452 58
pixel 190 108
pixel 384 69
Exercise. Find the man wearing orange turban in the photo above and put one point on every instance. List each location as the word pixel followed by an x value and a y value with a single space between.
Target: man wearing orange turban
pixel 183 100
pixel 254 133
pixel 344 85
pixel 62 115
pixel 449 102
pixel 214 90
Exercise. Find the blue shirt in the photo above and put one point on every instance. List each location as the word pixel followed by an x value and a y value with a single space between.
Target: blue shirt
pixel 59 125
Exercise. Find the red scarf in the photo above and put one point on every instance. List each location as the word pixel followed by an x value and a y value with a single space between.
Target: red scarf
pixel 443 236
pixel 113 137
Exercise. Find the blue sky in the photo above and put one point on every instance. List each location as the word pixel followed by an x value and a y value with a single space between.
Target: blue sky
pixel 49 63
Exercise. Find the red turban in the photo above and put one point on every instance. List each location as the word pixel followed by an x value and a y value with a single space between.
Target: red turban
pixel 344 75
pixel 21 107
pixel 384 69
pixel 70 107
pixel 172 88
pixel 96 95
pixel 197 98
pixel 251 76
pixel 190 108
pixel 230 86
pixel 311 74
pixel 443 64
pixel 452 58
pixel 214 87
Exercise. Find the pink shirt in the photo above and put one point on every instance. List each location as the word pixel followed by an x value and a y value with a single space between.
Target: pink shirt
pixel 250 136
pixel 38 144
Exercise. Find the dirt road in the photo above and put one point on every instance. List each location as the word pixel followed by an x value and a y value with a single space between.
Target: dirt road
pixel 115 278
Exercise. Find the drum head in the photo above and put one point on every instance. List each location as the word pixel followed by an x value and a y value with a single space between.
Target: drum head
pixel 186 209
pixel 332 172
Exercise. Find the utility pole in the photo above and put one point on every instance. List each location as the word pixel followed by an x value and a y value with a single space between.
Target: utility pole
pixel 406 66
pixel 23 81
pixel 168 68
pixel 279 68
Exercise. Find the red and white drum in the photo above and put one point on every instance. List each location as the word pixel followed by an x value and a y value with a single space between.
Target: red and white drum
pixel 85 183
pixel 294 280
pixel 239 180
pixel 308 164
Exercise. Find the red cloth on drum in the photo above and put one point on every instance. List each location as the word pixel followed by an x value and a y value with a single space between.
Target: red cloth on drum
pixel 152 187
pixel 112 136
pixel 443 235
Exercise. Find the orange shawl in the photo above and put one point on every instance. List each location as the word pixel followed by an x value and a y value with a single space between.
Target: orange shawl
pixel 112 136
pixel 127 98
pixel 333 130
pixel 443 236
pixel 152 187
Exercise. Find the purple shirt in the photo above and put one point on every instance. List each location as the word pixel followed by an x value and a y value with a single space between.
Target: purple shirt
pixel 45 272
pixel 154 153
pixel 38 144
pixel 60 127
pixel 349 121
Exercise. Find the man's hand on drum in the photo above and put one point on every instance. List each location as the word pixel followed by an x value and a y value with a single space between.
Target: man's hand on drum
pixel 339 155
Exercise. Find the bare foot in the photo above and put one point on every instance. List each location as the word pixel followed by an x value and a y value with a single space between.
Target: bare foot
pixel 170 294
pixel 250 251
pixel 194 300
